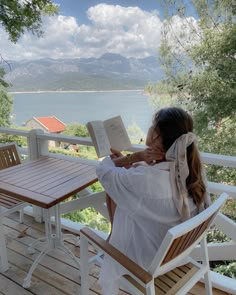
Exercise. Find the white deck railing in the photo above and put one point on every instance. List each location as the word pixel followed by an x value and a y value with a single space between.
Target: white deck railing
pixel 38 146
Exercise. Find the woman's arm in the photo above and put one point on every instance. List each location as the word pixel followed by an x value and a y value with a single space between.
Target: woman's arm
pixel 149 155
pixel 127 161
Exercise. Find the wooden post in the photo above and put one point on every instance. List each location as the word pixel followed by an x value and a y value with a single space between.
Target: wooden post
pixel 37 147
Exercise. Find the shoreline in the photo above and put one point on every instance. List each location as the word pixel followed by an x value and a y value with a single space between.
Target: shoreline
pixel 72 91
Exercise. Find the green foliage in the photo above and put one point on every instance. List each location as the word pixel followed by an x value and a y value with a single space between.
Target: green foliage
pixel 76 129
pixel 6 102
pixel 221 174
pixel 96 187
pixel 229 209
pixel 91 218
pixel 220 138
pixel 19 140
pixel 3 83
pixel 80 130
pixel 162 94
pixel 200 73
pixel 216 236
pixel 214 86
pixel 136 134
pixel 227 269
pixel 18 16
pixel 83 152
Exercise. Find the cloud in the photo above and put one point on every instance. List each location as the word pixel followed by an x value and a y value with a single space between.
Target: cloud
pixel 57 41
pixel 181 33
pixel 115 29
pixel 129 31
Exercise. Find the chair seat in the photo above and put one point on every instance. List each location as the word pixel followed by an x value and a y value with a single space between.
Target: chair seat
pixel 170 282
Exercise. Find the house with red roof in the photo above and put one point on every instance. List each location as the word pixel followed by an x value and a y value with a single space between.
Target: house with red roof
pixel 47 124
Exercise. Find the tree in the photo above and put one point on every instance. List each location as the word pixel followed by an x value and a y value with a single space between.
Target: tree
pixel 76 129
pixel 6 102
pixel 17 17
pixel 136 134
pixel 199 60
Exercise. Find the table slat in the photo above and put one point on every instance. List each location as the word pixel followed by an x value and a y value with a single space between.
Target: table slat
pixel 47 181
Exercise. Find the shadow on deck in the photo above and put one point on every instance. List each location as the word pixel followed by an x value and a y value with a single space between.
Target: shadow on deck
pixel 57 273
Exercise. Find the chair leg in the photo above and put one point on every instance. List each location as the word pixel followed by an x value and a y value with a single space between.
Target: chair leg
pixel 208 285
pixel 3 250
pixel 150 290
pixel 207 278
pixel 84 267
pixel 22 215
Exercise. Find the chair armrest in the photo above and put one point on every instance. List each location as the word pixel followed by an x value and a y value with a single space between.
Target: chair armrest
pixel 118 256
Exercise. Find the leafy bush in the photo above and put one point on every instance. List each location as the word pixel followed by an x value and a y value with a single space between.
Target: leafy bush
pixel 91 218
pixel 19 140
pixel 227 269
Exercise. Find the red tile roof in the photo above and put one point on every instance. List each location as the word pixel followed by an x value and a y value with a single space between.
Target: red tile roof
pixel 52 124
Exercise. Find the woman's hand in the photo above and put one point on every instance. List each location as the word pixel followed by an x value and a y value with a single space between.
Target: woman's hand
pixel 119 159
pixel 115 154
pixel 153 155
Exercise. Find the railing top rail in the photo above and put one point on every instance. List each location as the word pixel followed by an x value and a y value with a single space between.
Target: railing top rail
pixel 216 159
pixel 14 131
pixel 66 138
pixel 208 158
pixel 221 160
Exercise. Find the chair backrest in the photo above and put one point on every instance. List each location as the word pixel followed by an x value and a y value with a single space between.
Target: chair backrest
pixel 183 238
pixel 9 156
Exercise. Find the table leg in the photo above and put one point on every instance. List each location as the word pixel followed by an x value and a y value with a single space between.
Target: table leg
pixel 48 232
pixel 54 240
pixel 38 213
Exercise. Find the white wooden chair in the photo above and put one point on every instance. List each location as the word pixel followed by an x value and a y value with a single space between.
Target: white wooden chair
pixel 8 157
pixel 172 271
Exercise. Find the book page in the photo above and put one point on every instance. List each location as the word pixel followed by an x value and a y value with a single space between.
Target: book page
pixel 99 138
pixel 117 134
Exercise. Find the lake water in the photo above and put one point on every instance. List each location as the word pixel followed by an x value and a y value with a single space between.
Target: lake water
pixel 72 107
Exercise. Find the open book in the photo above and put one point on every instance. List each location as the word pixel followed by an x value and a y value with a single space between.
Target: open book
pixel 107 134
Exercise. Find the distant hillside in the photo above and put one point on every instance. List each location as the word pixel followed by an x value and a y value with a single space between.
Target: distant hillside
pixel 109 72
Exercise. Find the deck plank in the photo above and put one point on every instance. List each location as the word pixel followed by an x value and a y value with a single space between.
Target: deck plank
pixel 53 270
pixel 10 287
pixel 56 275
pixel 38 287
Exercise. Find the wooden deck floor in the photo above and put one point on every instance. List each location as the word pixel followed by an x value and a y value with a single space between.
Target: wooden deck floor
pixel 56 275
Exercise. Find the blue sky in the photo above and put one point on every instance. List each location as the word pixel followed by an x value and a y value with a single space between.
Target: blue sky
pixel 78 8
pixel 90 28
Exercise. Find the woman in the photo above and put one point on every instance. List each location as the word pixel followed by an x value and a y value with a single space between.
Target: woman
pixel 146 200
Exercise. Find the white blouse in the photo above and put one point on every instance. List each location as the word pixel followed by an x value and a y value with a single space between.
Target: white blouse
pixel 145 211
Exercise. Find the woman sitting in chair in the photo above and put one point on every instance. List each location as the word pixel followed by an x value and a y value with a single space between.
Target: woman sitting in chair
pixel 151 191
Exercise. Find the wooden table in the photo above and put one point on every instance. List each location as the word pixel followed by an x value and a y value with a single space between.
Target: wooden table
pixel 45 183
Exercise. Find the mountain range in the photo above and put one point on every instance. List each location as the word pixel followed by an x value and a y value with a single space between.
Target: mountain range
pixel 108 72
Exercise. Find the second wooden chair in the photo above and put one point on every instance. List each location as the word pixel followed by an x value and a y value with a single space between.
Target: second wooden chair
pixel 8 157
